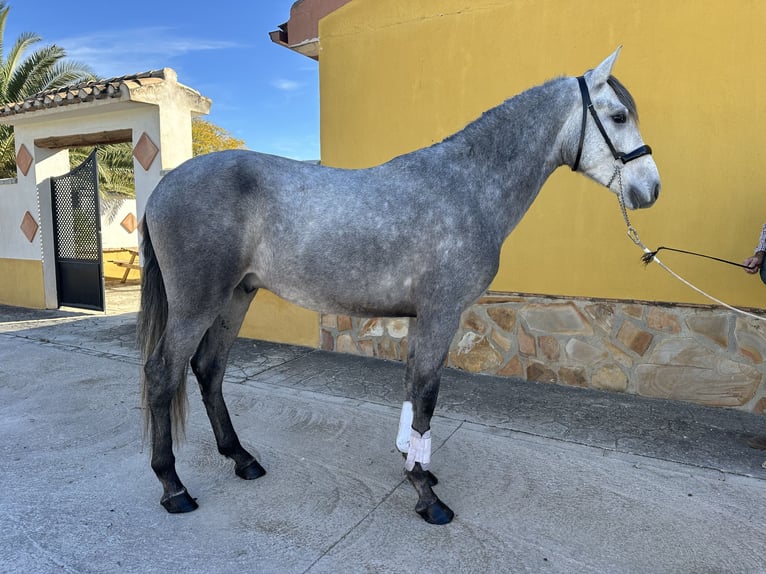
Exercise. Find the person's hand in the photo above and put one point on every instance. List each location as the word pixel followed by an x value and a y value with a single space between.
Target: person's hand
pixel 754 263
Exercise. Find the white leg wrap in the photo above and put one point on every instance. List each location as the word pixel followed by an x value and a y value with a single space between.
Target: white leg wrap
pixel 420 450
pixel 405 426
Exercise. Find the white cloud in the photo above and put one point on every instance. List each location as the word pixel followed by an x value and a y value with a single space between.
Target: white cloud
pixel 286 85
pixel 115 53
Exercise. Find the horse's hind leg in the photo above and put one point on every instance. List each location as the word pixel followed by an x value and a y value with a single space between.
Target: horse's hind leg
pixel 209 365
pixel 165 373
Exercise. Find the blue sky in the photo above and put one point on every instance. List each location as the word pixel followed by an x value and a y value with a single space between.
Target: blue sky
pixel 262 93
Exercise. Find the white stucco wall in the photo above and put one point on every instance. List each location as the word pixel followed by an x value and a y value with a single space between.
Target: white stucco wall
pixel 113 234
pixel 160 110
pixel 15 203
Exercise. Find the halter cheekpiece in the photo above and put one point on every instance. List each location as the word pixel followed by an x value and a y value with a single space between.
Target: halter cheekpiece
pixel 587 106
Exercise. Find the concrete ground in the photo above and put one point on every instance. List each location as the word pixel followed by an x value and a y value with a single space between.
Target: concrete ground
pixel 542 478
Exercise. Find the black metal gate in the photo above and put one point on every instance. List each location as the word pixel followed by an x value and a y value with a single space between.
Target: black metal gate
pixel 77 237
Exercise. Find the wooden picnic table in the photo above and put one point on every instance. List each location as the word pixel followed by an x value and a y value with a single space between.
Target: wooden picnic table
pixel 128 265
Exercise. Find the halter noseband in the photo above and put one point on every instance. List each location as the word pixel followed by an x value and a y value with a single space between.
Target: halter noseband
pixel 587 105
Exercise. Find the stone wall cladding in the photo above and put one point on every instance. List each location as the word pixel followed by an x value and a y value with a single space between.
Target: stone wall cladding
pixel 707 355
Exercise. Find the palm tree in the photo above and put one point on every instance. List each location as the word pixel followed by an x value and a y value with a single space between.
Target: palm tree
pixel 115 167
pixel 24 74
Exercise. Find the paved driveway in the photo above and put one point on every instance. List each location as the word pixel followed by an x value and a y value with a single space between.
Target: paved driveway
pixel 542 478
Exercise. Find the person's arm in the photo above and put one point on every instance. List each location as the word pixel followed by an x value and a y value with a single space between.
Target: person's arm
pixel 754 263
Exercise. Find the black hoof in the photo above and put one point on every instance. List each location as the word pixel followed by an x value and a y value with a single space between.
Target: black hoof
pixel 251 471
pixel 437 513
pixel 179 503
pixel 757 442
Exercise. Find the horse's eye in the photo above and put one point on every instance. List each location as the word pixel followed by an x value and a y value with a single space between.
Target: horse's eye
pixel 620 118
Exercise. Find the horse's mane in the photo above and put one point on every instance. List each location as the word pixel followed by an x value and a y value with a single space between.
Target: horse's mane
pixel 622 93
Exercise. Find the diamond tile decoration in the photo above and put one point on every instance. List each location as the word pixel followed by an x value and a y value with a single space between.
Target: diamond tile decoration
pixel 129 223
pixel 29 226
pixel 24 159
pixel 145 151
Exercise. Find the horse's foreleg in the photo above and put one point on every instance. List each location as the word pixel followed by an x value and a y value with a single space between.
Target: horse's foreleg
pixel 405 417
pixel 425 364
pixel 209 365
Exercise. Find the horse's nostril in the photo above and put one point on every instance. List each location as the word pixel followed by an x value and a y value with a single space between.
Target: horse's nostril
pixel 656 192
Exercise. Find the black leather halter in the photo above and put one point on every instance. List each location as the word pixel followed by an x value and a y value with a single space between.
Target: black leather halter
pixel 587 105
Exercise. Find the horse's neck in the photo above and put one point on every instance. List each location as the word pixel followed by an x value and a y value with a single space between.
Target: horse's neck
pixel 513 150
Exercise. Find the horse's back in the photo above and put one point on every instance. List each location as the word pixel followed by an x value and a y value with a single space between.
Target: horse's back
pixel 225 179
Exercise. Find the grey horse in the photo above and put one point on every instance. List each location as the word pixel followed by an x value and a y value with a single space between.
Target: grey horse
pixel 417 237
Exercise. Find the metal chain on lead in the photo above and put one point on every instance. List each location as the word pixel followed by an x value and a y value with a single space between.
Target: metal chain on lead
pixel 633 234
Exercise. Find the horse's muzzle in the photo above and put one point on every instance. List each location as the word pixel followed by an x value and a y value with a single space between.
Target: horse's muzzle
pixel 640 200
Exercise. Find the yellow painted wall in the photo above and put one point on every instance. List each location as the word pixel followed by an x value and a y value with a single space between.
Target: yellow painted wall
pixel 274 319
pixel 396 75
pixel 114 272
pixel 21 283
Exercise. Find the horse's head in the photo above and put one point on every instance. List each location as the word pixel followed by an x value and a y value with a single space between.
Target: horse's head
pixel 605 141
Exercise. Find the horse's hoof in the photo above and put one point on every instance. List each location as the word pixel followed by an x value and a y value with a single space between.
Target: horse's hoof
pixel 251 471
pixel 179 503
pixel 437 513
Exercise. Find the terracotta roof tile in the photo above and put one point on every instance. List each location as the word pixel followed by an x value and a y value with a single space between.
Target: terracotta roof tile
pixel 83 92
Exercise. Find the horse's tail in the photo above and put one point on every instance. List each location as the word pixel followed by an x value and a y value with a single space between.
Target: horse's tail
pixel 152 319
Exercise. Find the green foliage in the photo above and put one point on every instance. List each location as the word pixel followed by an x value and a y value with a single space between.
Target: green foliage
pixel 24 73
pixel 208 137
pixel 115 167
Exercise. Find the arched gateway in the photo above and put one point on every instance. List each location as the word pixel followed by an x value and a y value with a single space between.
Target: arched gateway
pixel 151 110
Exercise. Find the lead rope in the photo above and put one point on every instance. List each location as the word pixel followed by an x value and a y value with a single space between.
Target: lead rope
pixel 633 235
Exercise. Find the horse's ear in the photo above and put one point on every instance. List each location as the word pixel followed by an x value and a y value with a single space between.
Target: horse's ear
pixel 601 73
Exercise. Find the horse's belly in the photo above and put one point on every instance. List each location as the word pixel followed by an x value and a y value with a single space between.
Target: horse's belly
pixel 350 299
